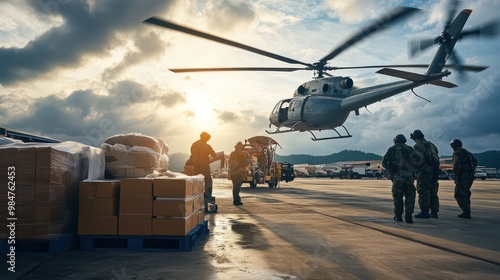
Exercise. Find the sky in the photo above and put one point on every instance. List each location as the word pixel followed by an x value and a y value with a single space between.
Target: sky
pixel 85 70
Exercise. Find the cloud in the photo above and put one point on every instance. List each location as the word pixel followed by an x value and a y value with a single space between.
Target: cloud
pixel 84 30
pixel 147 46
pixel 90 117
pixel 228 15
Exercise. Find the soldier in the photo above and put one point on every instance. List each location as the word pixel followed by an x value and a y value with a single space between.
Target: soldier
pixel 201 152
pixel 399 161
pixel 464 164
pixel 238 160
pixel 426 174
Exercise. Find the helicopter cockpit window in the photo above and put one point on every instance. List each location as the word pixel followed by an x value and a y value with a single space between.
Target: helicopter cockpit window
pixel 325 87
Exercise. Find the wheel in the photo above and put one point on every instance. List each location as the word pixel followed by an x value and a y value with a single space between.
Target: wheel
pixel 254 181
pixel 273 182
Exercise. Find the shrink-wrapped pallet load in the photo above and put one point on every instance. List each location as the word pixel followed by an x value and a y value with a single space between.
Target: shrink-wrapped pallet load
pixel 134 156
pixel 46 186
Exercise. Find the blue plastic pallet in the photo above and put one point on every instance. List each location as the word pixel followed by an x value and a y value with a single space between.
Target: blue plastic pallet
pixel 137 242
pixel 53 245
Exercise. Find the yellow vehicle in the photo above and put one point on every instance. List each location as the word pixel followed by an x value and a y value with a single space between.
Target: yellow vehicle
pixel 262 168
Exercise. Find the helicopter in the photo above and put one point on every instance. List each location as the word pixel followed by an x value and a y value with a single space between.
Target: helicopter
pixel 326 101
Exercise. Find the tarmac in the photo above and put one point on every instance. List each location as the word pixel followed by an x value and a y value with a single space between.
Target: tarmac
pixel 311 228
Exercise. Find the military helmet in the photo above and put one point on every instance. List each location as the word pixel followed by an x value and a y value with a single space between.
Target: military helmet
pixel 456 143
pixel 400 138
pixel 417 134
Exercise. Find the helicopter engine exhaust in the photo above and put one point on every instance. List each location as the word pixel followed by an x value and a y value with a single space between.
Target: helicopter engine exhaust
pixel 346 83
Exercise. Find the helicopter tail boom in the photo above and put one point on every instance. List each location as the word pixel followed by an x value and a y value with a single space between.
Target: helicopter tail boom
pixel 414 77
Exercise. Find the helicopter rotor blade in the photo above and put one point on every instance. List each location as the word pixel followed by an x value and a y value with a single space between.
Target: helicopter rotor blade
pixel 471 68
pixel 452 10
pixel 170 25
pixel 417 46
pixel 490 29
pixel 276 69
pixel 379 25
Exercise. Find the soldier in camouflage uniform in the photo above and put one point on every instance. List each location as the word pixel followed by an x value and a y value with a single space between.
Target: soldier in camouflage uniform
pixel 399 161
pixel 464 164
pixel 434 202
pixel 424 175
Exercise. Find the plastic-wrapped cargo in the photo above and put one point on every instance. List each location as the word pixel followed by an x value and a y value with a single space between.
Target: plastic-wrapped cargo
pixel 134 156
pixel 46 185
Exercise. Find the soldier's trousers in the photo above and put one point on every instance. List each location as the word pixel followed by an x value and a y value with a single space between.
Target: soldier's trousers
pixel 403 189
pixel 434 198
pixel 462 194
pixel 424 190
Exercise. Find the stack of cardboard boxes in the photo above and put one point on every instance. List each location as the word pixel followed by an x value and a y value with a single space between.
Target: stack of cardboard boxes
pixel 177 205
pixel 45 177
pixel 136 207
pixel 98 207
pixel 161 206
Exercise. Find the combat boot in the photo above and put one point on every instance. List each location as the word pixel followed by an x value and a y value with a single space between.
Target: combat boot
pixel 423 215
pixel 398 218
pixel 434 214
pixel 409 218
pixel 465 215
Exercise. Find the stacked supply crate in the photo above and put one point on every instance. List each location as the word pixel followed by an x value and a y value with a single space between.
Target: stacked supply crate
pixel 98 207
pixel 42 189
pixel 136 206
pixel 177 205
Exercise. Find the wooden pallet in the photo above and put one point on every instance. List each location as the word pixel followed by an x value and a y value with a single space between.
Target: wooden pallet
pixel 137 242
pixel 54 245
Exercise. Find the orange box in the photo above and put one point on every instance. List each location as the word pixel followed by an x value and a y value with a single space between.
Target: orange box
pixel 198 185
pixel 173 207
pixel 167 187
pixel 103 225
pixel 98 206
pixel 136 205
pixel 198 202
pixel 50 194
pixel 100 188
pixel 135 186
pixel 172 226
pixel 134 225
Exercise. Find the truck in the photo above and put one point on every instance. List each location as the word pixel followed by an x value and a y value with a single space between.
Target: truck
pixel 262 168
pixel 479 174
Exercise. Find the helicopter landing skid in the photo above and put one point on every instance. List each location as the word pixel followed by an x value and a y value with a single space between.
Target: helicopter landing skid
pixel 339 136
pixel 333 137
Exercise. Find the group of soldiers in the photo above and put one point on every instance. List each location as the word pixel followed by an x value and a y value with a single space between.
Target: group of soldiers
pixel 404 164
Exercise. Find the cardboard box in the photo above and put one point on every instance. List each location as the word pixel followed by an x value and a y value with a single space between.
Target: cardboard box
pixel 100 188
pixel 136 205
pixel 104 225
pixel 173 207
pixel 198 202
pixel 167 187
pixel 135 225
pixel 198 185
pixel 98 206
pixel 24 194
pixel 172 226
pixel 51 194
pixel 136 186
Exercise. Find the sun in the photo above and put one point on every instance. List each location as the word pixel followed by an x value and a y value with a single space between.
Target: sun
pixel 203 109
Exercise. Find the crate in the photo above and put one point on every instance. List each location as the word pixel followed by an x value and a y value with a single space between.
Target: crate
pixel 136 242
pixel 54 245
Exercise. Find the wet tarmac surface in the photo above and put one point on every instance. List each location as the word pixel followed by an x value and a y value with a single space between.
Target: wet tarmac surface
pixel 307 229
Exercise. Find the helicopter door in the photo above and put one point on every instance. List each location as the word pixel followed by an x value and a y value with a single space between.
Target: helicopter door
pixel 295 111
